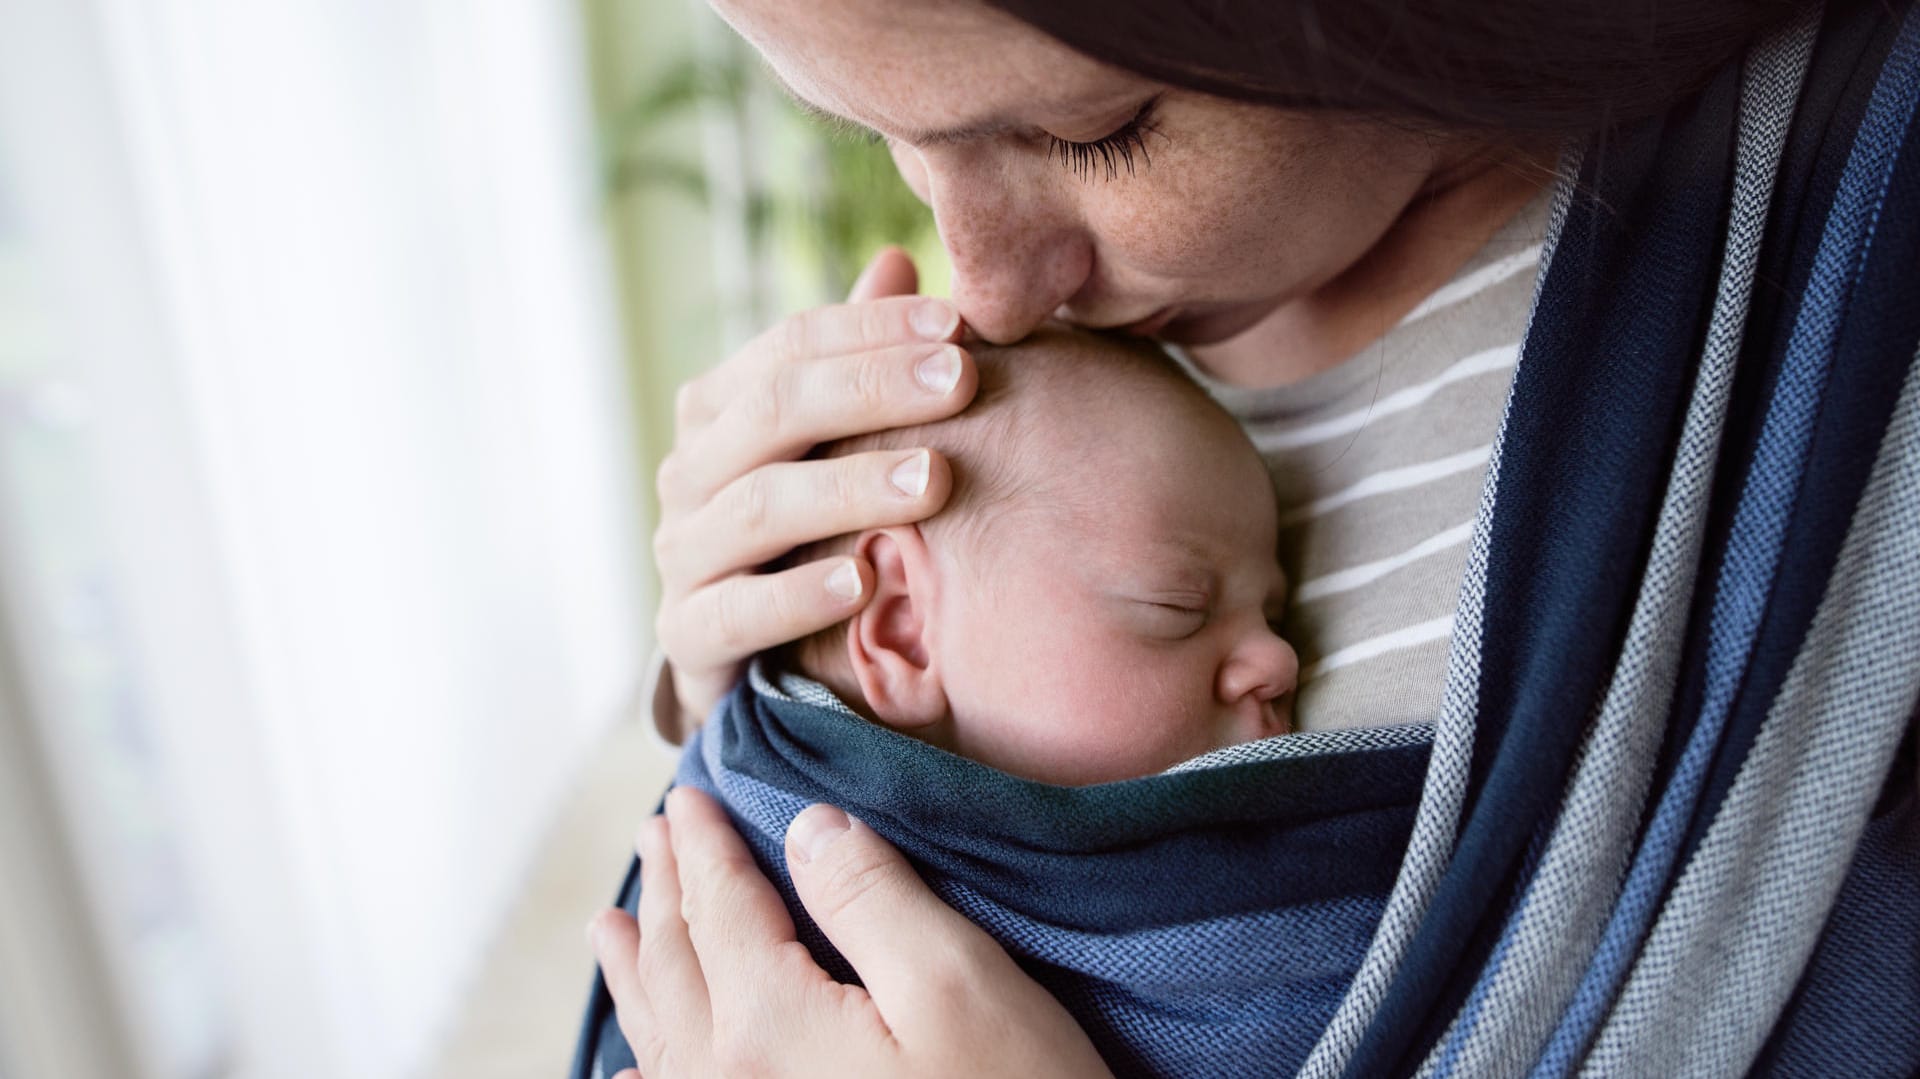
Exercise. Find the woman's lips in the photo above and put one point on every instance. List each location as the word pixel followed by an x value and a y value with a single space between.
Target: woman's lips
pixel 1152 324
pixel 1141 327
pixel 1186 324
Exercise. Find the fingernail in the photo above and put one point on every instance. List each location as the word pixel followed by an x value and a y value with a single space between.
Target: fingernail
pixel 909 477
pixel 844 581
pixel 592 932
pixel 934 320
pixel 940 370
pixel 815 827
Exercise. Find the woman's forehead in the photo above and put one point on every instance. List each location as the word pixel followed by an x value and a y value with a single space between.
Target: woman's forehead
pixel 924 71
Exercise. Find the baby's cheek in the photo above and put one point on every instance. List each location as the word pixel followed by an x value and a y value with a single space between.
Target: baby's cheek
pixel 1146 714
pixel 1002 670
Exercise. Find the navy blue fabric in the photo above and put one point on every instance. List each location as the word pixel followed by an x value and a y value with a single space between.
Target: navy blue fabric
pixel 1883 307
pixel 1861 394
pixel 1841 78
pixel 1603 376
pixel 1774 494
pixel 1561 572
pixel 1196 923
pixel 1266 880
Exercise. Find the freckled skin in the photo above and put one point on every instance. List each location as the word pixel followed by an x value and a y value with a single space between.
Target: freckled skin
pixel 1253 224
pixel 1058 659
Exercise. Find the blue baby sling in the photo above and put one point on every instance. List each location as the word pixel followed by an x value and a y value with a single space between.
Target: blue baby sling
pixel 1665 822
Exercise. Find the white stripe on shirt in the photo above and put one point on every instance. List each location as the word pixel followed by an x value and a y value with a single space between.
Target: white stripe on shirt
pixel 1389 480
pixel 1480 363
pixel 1478 281
pixel 1419 633
pixel 1353 577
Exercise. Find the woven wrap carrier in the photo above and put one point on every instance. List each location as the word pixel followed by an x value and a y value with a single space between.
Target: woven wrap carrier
pixel 1666 822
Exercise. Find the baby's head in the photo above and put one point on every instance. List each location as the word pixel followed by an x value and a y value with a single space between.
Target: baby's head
pixel 1097 599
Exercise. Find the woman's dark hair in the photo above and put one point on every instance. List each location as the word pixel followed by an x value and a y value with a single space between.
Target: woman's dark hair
pixel 1513 67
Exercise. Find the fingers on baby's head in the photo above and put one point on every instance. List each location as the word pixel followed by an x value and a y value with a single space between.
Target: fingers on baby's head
pixel 1041 435
pixel 1043 425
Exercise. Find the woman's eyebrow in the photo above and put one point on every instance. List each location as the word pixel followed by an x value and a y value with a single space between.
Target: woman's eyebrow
pixel 946 136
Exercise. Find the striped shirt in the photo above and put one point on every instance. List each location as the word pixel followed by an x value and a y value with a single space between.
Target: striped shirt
pixel 1378 465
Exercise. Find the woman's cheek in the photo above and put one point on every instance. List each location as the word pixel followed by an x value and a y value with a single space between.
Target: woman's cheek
pixel 1177 227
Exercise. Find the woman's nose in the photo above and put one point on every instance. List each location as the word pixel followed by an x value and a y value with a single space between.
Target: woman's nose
pixel 1262 668
pixel 1016 258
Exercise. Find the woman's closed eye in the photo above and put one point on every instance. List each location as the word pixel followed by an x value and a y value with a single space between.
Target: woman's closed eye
pixel 1111 152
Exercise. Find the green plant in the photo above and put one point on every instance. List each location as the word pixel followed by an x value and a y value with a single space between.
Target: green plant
pixel 811 192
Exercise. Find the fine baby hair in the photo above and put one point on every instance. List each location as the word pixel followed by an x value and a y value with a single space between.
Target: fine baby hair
pixel 1007 449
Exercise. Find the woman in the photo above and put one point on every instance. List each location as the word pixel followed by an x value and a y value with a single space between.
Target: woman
pixel 1686 546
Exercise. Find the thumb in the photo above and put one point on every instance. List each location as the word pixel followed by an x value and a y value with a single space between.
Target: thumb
pixel 889 273
pixel 878 912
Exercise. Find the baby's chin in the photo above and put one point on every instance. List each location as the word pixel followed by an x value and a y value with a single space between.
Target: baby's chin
pixel 1060 766
pixel 1084 764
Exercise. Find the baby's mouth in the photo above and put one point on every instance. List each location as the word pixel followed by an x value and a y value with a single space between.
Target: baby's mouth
pixel 1279 714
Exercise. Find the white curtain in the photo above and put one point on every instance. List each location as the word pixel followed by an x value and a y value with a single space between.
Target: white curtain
pixel 336 327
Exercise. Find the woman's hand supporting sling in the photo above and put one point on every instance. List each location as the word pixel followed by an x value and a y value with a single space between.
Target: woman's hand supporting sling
pixel 710 979
pixel 733 493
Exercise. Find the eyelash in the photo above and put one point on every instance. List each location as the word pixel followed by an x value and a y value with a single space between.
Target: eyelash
pixel 1109 153
pixel 1199 615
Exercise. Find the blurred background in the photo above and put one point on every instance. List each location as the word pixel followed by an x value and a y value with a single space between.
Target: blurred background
pixel 338 341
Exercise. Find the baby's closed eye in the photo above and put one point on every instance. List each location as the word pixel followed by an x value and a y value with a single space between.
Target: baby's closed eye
pixel 1169 618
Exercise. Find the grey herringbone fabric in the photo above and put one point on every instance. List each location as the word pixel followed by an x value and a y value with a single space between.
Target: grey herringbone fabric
pixel 1737 928
pixel 1551 938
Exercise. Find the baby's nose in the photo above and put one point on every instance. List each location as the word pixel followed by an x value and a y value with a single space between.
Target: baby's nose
pixel 1262 669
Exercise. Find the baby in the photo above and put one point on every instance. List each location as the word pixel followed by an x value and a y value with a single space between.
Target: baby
pixel 1095 603
pixel 1097 600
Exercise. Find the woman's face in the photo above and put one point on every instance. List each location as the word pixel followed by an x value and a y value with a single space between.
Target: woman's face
pixel 1065 187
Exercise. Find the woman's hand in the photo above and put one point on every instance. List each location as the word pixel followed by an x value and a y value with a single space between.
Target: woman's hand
pixel 734 494
pixel 711 981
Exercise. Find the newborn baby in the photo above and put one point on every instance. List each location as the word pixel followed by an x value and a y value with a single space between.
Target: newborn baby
pixel 1097 600
pixel 1093 607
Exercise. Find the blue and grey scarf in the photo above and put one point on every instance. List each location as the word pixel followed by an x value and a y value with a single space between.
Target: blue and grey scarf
pixel 1665 822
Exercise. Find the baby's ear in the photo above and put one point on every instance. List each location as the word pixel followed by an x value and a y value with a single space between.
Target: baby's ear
pixel 887 640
